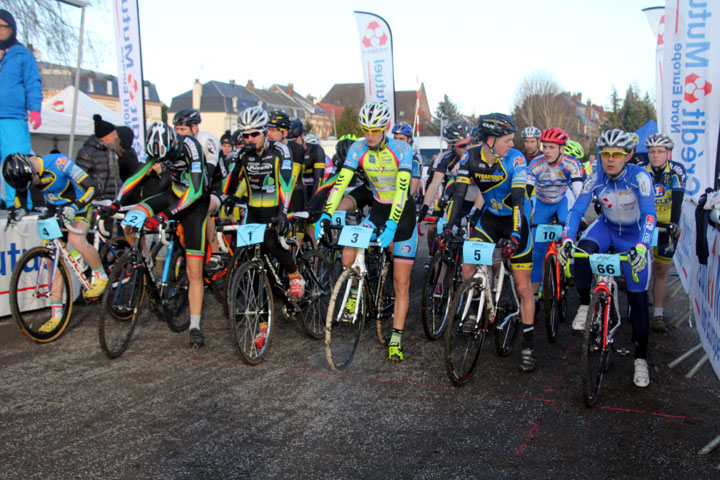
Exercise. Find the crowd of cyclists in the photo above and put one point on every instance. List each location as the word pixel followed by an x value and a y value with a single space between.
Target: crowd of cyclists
pixel 481 185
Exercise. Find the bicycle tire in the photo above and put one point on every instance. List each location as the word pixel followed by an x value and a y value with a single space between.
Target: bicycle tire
pixel 111 252
pixel 506 336
pixel 465 335
pixel 342 334
pixel 251 304
pixel 175 296
pixel 551 298
pixel 435 309
pixel 317 272
pixel 27 288
pixel 593 358
pixel 385 304
pixel 124 293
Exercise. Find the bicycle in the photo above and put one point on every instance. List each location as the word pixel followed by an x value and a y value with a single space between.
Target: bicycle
pixel 132 275
pixel 35 276
pixel 603 320
pixel 443 276
pixel 362 292
pixel 486 301
pixel 554 284
pixel 256 284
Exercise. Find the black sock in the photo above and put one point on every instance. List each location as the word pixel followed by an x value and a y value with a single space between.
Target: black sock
pixel 527 336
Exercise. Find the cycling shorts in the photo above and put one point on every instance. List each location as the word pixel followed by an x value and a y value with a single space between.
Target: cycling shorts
pixel 193 219
pixel 492 228
pixel 664 251
pixel 362 197
pixel 405 242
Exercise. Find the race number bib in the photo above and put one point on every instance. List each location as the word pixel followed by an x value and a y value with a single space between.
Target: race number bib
pixel 135 218
pixel 478 253
pixel 548 233
pixel 49 229
pixel 250 234
pixel 355 236
pixel 338 217
pixel 605 264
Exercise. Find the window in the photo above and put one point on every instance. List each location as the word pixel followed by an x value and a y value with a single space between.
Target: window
pixel 146 92
pixel 595 115
pixel 109 87
pixel 234 104
pixel 90 85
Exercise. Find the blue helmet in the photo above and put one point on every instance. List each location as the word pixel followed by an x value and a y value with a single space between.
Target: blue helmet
pixel 402 128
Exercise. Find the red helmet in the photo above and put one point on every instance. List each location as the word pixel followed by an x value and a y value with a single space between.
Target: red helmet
pixel 554 135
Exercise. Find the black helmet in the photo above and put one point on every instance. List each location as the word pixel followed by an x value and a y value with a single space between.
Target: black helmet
pixel 237 138
pixel 18 171
pixel 495 125
pixel 296 129
pixel 279 119
pixel 456 131
pixel 343 145
pixel 187 117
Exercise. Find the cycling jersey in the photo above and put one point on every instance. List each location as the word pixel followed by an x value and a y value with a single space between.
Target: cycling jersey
pixel 265 178
pixel 669 186
pixel 62 182
pixel 628 206
pixel 449 164
pixel 188 173
pixel 313 166
pixel 388 171
pixel 416 165
pixel 501 184
pixel 529 158
pixel 551 181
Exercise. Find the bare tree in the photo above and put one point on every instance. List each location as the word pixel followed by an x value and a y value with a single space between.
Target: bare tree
pixel 539 102
pixel 49 29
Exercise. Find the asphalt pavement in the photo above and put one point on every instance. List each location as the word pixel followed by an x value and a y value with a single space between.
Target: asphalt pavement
pixel 164 410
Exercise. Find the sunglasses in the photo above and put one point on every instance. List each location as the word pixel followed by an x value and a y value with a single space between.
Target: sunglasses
pixel 605 155
pixel 464 145
pixel 373 131
pixel 251 134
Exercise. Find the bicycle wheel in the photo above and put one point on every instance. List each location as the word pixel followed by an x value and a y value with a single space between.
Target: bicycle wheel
pixel 551 298
pixel 344 321
pixel 30 295
pixel 175 294
pixel 385 304
pixel 507 319
pixel 251 312
pixel 112 251
pixel 594 357
pixel 437 296
pixel 317 272
pixel 465 332
pixel 122 297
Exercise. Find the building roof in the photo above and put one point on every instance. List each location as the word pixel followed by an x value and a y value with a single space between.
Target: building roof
pixel 57 77
pixel 344 94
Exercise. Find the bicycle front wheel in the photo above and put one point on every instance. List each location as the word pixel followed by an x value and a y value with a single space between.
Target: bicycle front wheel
pixel 317 272
pixel 507 319
pixel 344 321
pixel 551 298
pixel 121 301
pixel 175 294
pixel 385 305
pixel 251 311
pixel 594 356
pixel 465 331
pixel 437 296
pixel 30 295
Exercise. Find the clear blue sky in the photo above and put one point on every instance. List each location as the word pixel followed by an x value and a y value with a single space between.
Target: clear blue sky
pixel 476 52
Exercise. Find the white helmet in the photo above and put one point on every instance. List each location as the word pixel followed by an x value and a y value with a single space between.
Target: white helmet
pixel 531 132
pixel 312 139
pixel 659 140
pixel 374 115
pixel 616 138
pixel 253 118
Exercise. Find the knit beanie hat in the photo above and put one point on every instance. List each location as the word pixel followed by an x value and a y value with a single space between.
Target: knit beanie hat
pixel 226 138
pixel 102 127
pixel 126 136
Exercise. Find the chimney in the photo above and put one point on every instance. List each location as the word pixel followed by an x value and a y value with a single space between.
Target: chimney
pixel 291 90
pixel 232 81
pixel 196 94
pixel 588 110
pixel 250 86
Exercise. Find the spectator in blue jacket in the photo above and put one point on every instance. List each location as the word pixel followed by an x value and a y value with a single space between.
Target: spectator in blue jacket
pixel 20 97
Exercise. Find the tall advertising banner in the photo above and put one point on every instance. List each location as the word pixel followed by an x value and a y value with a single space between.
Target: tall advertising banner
pixel 656 19
pixel 377 58
pixel 691 88
pixel 130 76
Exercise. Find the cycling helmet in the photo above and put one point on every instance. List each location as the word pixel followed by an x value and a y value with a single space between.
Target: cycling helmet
pixel 374 115
pixel 279 119
pixel 160 140
pixel 616 138
pixel 187 117
pixel 253 118
pixel 636 139
pixel 402 128
pixel 554 135
pixel 312 139
pixel 343 145
pixel 495 125
pixel 659 140
pixel 531 132
pixel 237 137
pixel 475 134
pixel 575 149
pixel 456 131
pixel 18 171
pixel 296 129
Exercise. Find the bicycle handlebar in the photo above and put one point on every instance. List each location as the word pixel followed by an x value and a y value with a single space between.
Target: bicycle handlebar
pixel 624 257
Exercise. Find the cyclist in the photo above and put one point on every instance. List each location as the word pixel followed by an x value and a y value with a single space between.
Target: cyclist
pixel 444 172
pixel 531 141
pixel 186 200
pixel 387 164
pixel 403 132
pixel 69 189
pixel 669 180
pixel 500 173
pixel 277 130
pixel 549 177
pixel 317 202
pixel 226 145
pixel 187 122
pixel 626 223
pixel 263 172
